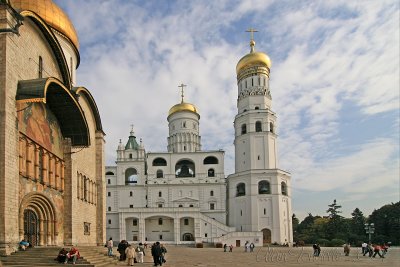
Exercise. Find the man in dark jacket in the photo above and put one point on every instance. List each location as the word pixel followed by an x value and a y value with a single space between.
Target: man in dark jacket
pixel 121 249
pixel 156 253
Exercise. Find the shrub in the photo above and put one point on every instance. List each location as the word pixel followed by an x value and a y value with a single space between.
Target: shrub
pixel 336 242
pixel 218 245
pixel 199 245
pixel 323 242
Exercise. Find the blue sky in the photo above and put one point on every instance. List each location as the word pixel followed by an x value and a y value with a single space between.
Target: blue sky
pixel 334 84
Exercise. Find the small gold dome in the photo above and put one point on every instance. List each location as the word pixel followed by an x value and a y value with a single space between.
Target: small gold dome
pixel 51 14
pixel 182 107
pixel 252 59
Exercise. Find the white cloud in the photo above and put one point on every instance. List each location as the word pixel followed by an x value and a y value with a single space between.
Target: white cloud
pixel 325 55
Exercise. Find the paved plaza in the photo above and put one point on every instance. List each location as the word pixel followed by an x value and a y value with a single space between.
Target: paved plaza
pixel 179 256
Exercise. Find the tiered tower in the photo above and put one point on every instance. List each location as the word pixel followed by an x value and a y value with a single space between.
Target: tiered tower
pixel 259 193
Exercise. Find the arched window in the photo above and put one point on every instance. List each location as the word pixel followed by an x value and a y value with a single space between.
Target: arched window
pixel 264 187
pixel 160 174
pixel 159 162
pixel 131 176
pixel 240 189
pixel 160 222
pixel 210 160
pixel 271 127
pixel 40 74
pixel 211 193
pixel 185 168
pixel 256 108
pixel 244 129
pixel 284 188
pixel 109 173
pixel 258 126
pixel 211 173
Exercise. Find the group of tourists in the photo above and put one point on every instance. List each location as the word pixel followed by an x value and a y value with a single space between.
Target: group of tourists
pixel 158 252
pixel 249 247
pixel 127 252
pixel 226 248
pixel 374 249
pixel 64 255
pixel 135 255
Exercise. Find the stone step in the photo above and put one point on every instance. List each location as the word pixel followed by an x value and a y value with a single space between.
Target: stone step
pixel 39 256
pixel 14 264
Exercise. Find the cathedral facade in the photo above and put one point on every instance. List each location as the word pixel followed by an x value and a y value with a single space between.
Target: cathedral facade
pixel 183 196
pixel 52 182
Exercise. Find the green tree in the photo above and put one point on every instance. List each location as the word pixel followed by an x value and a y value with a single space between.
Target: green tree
pixel 333 210
pixel 357 223
pixel 387 223
pixel 305 231
pixel 336 227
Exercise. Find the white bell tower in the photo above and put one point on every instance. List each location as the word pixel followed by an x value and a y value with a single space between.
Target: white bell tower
pixel 183 123
pixel 259 192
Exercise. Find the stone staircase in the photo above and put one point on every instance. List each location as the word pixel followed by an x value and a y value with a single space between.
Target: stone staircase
pixel 98 256
pixel 39 256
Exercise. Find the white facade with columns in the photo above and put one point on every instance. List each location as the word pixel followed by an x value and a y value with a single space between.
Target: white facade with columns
pixel 183 196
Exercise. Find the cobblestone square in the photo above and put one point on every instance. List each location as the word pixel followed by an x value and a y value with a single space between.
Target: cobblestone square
pixel 179 256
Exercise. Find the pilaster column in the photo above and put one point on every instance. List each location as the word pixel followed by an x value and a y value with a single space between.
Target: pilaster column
pixel 177 229
pixel 122 226
pixel 142 229
pixel 41 232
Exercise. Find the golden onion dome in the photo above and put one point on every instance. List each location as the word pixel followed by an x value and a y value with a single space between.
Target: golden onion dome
pixel 182 107
pixel 252 59
pixel 51 14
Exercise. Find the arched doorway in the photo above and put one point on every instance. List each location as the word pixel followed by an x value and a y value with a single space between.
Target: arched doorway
pixel 31 227
pixel 38 220
pixel 187 237
pixel 266 236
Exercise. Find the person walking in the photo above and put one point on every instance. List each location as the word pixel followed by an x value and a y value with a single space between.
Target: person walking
pixel 364 248
pixel 252 247
pixel 246 246
pixel 346 249
pixel 110 247
pixel 121 249
pixel 130 254
pixel 163 252
pixel 231 248
pixel 140 253
pixel 156 253
pixel 377 250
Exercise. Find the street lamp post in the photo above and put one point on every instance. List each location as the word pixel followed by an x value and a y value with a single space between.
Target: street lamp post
pixel 369 229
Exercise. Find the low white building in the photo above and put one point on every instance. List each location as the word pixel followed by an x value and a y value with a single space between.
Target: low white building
pixel 183 196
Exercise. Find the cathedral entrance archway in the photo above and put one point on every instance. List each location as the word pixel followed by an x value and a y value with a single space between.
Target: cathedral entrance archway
pixel 266 236
pixel 38 220
pixel 31 227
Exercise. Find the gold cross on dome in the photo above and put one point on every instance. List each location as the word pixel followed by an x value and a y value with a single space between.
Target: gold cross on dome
pixel 182 86
pixel 251 31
